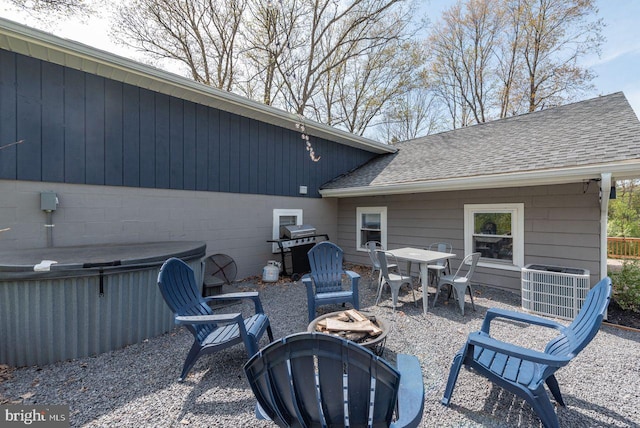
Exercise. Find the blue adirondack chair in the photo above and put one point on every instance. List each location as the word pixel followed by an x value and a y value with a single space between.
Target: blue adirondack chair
pixel 211 332
pixel 324 283
pixel 524 371
pixel 315 379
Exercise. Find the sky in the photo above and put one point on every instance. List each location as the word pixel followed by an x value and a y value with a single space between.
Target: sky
pixel 617 68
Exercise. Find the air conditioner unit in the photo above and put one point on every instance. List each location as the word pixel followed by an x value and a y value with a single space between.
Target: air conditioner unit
pixel 554 290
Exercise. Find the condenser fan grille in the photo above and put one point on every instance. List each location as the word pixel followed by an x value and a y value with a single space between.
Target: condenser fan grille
pixel 221 267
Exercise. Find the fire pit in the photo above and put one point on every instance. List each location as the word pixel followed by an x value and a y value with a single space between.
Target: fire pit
pixel 362 328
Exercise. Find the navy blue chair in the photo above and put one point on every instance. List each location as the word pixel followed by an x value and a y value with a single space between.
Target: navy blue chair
pixel 324 282
pixel 523 371
pixel 211 332
pixel 315 379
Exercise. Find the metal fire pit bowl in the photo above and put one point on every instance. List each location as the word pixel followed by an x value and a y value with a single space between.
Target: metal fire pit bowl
pixel 375 345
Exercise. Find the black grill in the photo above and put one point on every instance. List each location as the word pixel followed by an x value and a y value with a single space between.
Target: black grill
pixel 297 240
pixel 294 231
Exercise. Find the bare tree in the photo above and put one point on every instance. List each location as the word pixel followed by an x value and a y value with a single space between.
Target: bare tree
pixel 264 47
pixel 67 7
pixel 362 87
pixel 510 68
pixel 332 36
pixel 556 34
pixel 497 58
pixel 415 114
pixel 271 32
pixel 450 87
pixel 464 44
pixel 200 34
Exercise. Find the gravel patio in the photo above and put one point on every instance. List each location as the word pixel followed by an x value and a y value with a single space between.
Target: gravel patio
pixel 137 386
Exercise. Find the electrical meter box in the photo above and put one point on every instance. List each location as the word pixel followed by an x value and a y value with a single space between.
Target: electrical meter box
pixel 48 201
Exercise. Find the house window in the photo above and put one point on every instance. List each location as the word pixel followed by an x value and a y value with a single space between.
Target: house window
pixel 496 231
pixel 371 226
pixel 284 217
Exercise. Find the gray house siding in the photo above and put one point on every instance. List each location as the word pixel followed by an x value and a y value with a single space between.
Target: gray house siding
pixel 230 223
pixel 81 128
pixel 562 225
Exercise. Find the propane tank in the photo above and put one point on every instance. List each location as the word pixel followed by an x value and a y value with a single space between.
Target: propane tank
pixel 271 271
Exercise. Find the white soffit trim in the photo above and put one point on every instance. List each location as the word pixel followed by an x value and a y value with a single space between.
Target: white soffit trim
pixel 38 44
pixel 606 182
pixel 620 170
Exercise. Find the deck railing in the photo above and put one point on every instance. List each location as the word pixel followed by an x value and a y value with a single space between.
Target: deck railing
pixel 623 248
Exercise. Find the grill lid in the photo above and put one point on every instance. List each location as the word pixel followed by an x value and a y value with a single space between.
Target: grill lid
pixel 293 231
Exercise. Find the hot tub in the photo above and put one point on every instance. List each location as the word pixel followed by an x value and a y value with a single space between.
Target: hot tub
pixel 94 299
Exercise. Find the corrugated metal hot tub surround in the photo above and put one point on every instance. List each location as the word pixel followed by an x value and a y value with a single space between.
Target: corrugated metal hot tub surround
pixel 95 299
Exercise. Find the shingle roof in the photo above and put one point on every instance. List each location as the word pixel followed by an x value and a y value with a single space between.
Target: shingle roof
pixel 598 131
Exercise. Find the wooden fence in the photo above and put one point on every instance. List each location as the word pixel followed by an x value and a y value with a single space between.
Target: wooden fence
pixel 623 248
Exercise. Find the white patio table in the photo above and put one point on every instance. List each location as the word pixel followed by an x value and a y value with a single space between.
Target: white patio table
pixel 424 258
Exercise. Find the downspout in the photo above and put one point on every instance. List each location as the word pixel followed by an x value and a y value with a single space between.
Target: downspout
pixel 605 188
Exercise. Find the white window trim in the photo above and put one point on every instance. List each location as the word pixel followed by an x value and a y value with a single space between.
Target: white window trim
pixel 277 213
pixel 517 231
pixel 383 225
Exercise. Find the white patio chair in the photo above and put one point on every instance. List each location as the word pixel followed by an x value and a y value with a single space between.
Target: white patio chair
pixel 436 269
pixel 372 247
pixel 458 283
pixel 393 280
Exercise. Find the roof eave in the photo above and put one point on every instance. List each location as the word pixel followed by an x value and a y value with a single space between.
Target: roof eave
pixel 37 44
pixel 619 170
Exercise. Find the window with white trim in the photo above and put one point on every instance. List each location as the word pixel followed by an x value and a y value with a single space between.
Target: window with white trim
pixel 284 217
pixel 371 225
pixel 496 231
